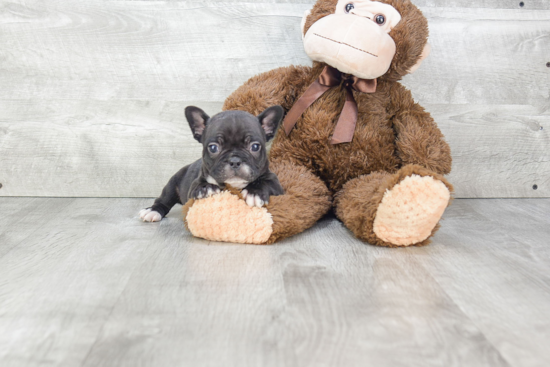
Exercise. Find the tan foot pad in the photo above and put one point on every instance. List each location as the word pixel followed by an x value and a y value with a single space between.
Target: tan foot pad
pixel 226 218
pixel 410 210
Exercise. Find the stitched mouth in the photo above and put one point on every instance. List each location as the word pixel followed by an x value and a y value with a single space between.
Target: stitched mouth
pixel 345 44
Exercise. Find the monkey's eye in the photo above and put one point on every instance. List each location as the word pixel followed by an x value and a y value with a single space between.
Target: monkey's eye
pixel 255 147
pixel 349 7
pixel 380 19
pixel 213 148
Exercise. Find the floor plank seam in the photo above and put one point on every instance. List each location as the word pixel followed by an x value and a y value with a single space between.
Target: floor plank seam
pixel 466 315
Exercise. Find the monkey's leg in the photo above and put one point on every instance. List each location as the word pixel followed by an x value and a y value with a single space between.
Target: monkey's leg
pixel 225 217
pixel 394 210
pixel 305 201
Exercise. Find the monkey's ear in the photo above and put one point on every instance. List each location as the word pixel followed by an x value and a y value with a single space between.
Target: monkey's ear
pixel 423 56
pixel 197 119
pixel 270 120
pixel 303 25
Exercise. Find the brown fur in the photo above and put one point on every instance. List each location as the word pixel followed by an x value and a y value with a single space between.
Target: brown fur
pixel 306 199
pixel 394 137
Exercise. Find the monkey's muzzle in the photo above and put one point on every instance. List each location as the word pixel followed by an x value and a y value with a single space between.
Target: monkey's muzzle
pixel 352 44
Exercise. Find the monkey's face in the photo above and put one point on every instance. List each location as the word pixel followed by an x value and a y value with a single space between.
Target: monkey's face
pixel 354 38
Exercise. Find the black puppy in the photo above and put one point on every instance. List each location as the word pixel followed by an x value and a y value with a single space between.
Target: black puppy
pixel 233 153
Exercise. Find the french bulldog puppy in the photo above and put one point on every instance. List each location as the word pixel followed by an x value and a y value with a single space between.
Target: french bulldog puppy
pixel 233 154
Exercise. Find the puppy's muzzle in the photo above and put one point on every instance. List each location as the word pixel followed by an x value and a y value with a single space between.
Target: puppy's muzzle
pixel 235 162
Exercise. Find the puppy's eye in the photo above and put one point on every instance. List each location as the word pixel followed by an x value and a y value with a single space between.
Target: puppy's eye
pixel 349 7
pixel 380 19
pixel 213 148
pixel 255 147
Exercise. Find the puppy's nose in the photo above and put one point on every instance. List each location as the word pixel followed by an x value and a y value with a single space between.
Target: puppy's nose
pixel 235 162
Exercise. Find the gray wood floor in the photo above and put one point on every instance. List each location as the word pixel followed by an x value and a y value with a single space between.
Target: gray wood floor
pixel 83 282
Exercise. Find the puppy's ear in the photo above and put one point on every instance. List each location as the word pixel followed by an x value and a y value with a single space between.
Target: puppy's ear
pixel 270 120
pixel 197 119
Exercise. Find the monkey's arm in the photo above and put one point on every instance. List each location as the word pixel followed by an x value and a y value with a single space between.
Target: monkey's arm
pixel 275 87
pixel 419 140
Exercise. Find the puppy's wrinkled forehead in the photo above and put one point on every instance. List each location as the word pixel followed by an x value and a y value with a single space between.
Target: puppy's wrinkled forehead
pixel 235 127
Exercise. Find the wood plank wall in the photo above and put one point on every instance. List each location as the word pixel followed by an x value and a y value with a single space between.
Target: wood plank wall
pixel 92 92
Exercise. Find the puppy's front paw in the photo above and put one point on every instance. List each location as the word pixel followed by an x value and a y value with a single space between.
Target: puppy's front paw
pixel 148 215
pixel 254 197
pixel 204 191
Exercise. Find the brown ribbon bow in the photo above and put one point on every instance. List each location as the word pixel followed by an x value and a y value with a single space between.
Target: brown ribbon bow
pixel 329 78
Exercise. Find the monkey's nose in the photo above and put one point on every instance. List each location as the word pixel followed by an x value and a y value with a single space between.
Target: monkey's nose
pixel 235 162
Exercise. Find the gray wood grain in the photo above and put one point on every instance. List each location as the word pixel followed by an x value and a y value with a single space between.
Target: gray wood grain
pixel 175 50
pixel 485 57
pixel 95 286
pixel 351 299
pixel 93 93
pixel 94 148
pixel 496 271
pixel 484 4
pixel 60 282
pixel 29 213
pixel 498 150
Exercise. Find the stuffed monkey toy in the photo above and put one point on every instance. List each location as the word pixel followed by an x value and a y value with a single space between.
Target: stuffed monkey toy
pixel 353 139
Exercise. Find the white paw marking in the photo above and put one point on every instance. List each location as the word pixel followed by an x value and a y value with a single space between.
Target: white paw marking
pixel 211 180
pixel 259 202
pixel 147 215
pixel 244 193
pixel 210 191
pixel 143 212
pixel 254 200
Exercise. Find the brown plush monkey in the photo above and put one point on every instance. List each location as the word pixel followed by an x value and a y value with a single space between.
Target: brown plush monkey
pixel 353 138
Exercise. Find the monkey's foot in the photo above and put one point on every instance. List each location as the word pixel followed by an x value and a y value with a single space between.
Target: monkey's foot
pixel 225 217
pixel 410 210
